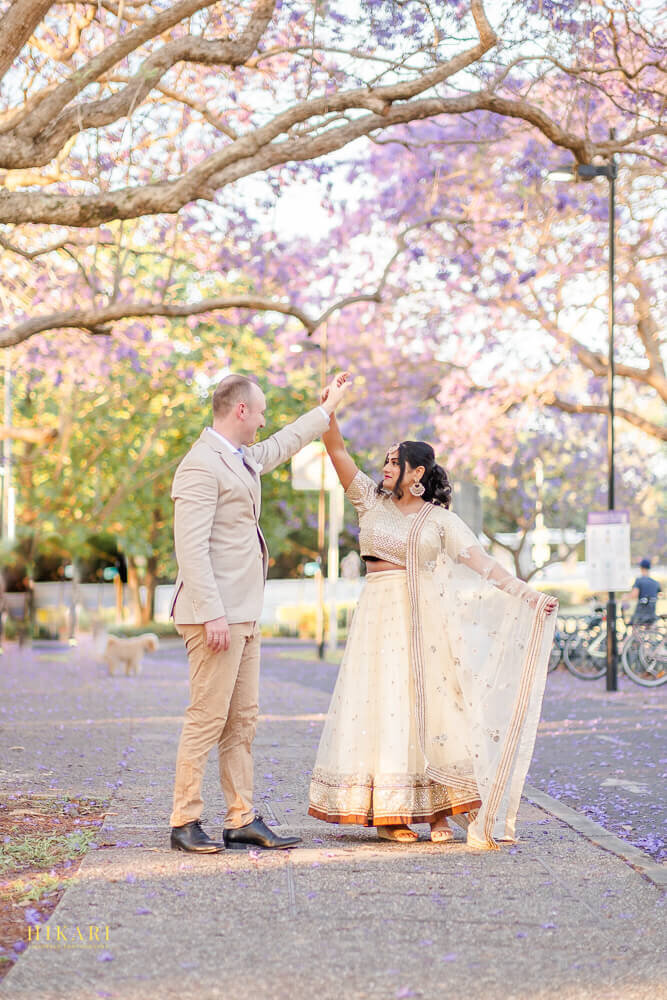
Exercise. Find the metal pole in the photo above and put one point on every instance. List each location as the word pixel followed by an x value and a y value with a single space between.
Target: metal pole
pixel 336 500
pixel 612 658
pixel 321 513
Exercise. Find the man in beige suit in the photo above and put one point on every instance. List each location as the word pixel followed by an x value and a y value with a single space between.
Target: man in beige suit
pixel 222 565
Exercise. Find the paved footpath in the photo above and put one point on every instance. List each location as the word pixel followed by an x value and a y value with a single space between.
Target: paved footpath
pixel 605 755
pixel 553 918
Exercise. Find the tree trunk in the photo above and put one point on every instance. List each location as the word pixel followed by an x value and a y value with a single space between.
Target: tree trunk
pixel 150 578
pixel 133 586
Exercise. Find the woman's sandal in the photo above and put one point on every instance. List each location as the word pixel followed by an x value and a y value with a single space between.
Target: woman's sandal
pixel 399 834
pixel 441 834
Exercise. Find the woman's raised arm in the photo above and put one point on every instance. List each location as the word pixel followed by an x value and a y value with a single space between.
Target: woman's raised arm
pixel 345 466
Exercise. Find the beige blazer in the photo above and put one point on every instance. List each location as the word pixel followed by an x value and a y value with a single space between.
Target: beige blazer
pixel 221 553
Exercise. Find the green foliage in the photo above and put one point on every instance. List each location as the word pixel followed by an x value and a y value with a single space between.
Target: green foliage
pixel 103 487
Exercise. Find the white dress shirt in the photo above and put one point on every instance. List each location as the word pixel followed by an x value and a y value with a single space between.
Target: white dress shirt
pixel 232 447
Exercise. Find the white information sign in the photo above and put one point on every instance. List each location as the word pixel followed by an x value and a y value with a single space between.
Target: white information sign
pixel 307 468
pixel 608 550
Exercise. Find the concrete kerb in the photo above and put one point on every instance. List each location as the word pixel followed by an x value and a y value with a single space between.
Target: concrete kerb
pixel 633 856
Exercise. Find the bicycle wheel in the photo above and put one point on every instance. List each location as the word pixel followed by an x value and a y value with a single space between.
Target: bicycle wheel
pixel 585 654
pixel 555 656
pixel 644 658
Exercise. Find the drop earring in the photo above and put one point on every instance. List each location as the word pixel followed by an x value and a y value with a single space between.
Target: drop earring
pixel 417 488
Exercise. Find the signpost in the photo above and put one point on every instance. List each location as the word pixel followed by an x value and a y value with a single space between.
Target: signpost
pixel 608 568
pixel 608 550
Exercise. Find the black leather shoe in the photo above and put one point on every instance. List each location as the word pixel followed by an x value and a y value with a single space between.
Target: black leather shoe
pixel 191 837
pixel 256 834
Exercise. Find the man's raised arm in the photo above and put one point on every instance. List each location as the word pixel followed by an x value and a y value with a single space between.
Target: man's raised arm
pixel 286 442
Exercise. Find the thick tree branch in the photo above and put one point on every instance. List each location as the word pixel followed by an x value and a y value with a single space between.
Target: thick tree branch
pixel 517 395
pixel 45 129
pixel 31 435
pixel 647 328
pixel 40 136
pixel 63 244
pixel 654 430
pixel 598 363
pixel 17 26
pixel 259 152
pixel 96 321
pixel 32 135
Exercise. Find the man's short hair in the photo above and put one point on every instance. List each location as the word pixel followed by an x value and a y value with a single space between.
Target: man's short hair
pixel 232 390
pixel 645 563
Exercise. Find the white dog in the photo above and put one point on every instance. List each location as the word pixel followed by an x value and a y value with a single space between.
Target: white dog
pixel 126 653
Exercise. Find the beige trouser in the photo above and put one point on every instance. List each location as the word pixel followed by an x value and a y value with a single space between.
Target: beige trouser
pixel 224 692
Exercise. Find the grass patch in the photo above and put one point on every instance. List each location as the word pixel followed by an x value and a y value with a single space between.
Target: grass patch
pixel 310 655
pixel 38 851
pixel 163 630
pixel 42 842
pixel 21 891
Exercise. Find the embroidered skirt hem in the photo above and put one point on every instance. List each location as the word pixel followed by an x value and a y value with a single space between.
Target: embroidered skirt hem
pixel 375 819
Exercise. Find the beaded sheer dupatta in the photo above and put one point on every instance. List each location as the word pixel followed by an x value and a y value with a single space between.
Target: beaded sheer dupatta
pixel 479 645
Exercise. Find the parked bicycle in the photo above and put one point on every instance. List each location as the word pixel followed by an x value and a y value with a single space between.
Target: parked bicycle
pixel 585 651
pixel 564 628
pixel 556 654
pixel 641 649
pixel 644 655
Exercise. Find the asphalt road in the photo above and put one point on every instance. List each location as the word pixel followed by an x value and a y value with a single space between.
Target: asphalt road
pixel 605 755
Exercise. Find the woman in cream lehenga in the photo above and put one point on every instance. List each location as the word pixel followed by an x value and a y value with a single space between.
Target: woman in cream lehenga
pixel 436 705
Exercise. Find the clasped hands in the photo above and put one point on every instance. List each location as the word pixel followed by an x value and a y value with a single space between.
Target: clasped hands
pixel 333 393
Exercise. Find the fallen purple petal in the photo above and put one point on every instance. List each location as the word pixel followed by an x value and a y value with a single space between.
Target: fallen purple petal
pixel 32 915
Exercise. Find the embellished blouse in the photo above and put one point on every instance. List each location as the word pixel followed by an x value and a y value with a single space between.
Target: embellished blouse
pixel 384 530
pixel 383 527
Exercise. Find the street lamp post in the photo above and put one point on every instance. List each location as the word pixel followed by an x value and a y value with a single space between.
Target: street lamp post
pixel 587 171
pixel 335 516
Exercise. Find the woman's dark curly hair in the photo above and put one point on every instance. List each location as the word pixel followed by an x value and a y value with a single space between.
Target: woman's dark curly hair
pixel 437 488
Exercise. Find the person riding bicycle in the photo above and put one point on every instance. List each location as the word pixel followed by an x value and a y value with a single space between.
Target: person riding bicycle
pixel 645 592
